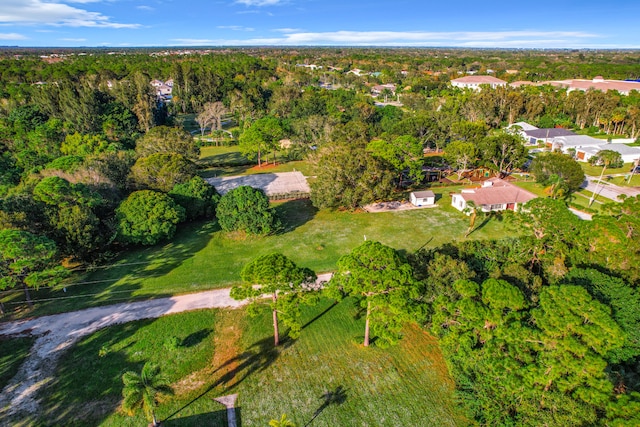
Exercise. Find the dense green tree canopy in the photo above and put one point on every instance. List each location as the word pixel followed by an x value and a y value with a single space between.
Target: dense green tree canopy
pixel 198 198
pixel 165 139
pixel 287 285
pixel 559 171
pixel 246 209
pixel 383 282
pixel 28 261
pixel 147 217
pixel 162 171
pixel 348 177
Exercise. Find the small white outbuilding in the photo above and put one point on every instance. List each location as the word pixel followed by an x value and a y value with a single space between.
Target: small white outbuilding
pixel 423 198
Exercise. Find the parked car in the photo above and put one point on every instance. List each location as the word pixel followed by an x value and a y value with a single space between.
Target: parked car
pixel 637 169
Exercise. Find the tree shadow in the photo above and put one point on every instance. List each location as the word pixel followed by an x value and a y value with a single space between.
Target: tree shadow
pixel 258 357
pixel 196 338
pixel 86 386
pixel 332 397
pixel 214 418
pixel 318 316
pixel 118 281
pixel 295 213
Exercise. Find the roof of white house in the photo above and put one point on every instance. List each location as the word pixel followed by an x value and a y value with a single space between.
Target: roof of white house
pixel 597 83
pixel 548 133
pixel 423 194
pixel 619 148
pixel 576 141
pixel 497 191
pixel 481 80
pixel 523 125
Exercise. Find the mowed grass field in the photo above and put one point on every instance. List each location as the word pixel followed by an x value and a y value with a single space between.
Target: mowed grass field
pixel 324 378
pixel 201 256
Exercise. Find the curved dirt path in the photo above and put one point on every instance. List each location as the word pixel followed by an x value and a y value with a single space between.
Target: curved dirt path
pixel 58 332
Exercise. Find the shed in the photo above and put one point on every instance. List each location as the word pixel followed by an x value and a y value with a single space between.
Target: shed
pixel 423 198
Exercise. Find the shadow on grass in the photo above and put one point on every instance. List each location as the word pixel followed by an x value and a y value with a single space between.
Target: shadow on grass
pixel 119 281
pixel 216 172
pixel 295 213
pixel 230 159
pixel 195 338
pixel 333 397
pixel 215 419
pixel 85 388
pixel 325 311
pixel 257 358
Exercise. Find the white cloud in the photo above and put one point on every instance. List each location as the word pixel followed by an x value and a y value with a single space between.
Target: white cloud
pixel 287 30
pixel 12 36
pixel 259 3
pixel 511 39
pixel 235 28
pixel 145 7
pixel 52 13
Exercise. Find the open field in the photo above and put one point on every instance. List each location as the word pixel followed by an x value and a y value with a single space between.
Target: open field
pixel 201 256
pixel 223 352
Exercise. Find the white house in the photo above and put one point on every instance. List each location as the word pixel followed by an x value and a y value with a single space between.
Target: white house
pixel 378 89
pixel 423 198
pixel 628 154
pixel 476 82
pixel 546 135
pixel 567 143
pixel 494 195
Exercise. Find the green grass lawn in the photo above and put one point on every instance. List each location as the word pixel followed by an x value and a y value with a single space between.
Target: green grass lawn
pixel 87 385
pixel 597 170
pixel 13 351
pixel 404 385
pixel 201 256
pixel 228 161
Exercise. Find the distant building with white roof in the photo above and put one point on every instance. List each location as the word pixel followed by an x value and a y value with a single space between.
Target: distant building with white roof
pixel 476 82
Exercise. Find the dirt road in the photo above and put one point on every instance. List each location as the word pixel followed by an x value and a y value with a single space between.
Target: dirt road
pixel 58 332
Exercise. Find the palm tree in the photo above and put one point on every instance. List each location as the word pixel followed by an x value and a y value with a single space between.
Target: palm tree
pixel 472 210
pixel 282 422
pixel 605 158
pixel 142 390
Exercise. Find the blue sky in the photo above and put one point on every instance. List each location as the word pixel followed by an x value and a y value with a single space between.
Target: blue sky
pixel 463 23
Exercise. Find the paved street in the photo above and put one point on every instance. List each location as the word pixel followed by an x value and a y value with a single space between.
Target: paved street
pixel 608 190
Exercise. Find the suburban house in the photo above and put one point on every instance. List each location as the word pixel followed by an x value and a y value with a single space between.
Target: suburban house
pixel 597 83
pixel 628 154
pixel 569 143
pixel 378 89
pixel 584 147
pixel 494 195
pixel 476 82
pixel 545 136
pixel 422 198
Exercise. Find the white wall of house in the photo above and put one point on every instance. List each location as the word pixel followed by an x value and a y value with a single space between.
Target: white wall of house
pixel 422 201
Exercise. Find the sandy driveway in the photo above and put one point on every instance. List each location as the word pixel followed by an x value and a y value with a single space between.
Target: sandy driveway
pixel 58 332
